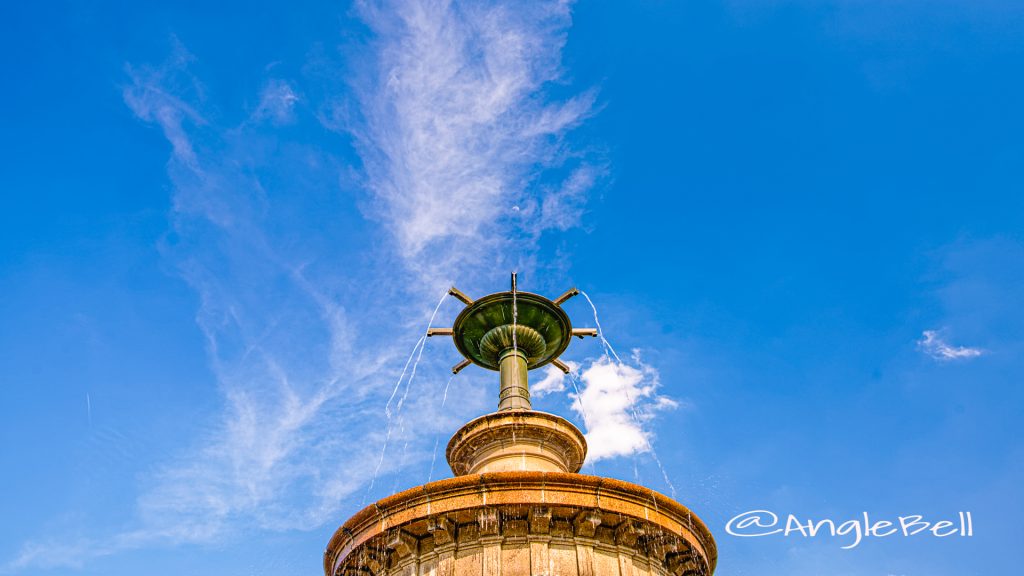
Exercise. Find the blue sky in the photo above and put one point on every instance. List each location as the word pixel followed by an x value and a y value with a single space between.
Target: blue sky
pixel 226 227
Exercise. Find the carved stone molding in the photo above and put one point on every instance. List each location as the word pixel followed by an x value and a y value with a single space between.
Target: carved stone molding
pixel 517 440
pixel 516 524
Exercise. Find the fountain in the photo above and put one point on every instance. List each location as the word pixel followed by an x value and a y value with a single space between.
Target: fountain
pixel 517 505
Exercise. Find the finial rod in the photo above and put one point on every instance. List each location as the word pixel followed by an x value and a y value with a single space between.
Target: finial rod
pixel 513 367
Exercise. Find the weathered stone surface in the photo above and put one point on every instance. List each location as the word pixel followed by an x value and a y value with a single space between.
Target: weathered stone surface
pixel 586 523
pixel 402 543
pixel 515 559
pixel 504 524
pixel 442 529
pixel 628 532
pixel 585 560
pixel 517 440
pixel 489 521
pixel 540 520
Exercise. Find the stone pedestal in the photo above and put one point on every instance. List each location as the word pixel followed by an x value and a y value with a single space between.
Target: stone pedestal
pixel 517 508
pixel 513 440
pixel 523 524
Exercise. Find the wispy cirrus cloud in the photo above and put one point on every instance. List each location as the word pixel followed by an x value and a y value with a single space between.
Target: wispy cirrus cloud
pixel 281 344
pixel 461 145
pixel 159 96
pixel 933 344
pixel 465 159
pixel 277 102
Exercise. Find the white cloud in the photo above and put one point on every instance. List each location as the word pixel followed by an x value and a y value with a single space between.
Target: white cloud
pixel 615 401
pixel 277 102
pixel 553 380
pixel 933 344
pixel 563 209
pixel 282 350
pixel 157 96
pixel 455 130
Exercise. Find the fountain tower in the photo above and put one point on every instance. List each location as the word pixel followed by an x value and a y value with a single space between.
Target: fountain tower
pixel 517 505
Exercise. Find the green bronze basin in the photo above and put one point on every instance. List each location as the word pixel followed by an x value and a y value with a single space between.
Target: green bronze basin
pixel 542 330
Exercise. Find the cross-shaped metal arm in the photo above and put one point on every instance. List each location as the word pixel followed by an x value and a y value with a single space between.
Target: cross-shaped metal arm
pixel 512 332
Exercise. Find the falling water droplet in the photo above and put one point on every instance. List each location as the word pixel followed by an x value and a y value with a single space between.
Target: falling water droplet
pixel 417 352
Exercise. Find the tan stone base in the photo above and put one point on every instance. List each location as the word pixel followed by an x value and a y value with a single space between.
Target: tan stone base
pixel 523 524
pixel 517 440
